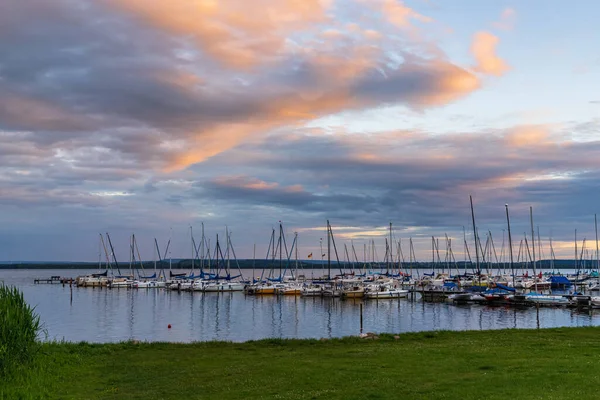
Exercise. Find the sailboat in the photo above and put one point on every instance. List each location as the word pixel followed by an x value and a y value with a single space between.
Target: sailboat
pixel 120 280
pixel 332 287
pixel 98 279
pixel 224 283
pixel 151 281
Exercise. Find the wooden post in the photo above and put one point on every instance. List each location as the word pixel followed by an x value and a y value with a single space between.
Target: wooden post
pixel 361 317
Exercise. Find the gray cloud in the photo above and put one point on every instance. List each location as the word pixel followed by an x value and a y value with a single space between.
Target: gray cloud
pixel 94 104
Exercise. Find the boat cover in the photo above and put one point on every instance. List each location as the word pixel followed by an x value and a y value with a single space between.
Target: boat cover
pixel 501 286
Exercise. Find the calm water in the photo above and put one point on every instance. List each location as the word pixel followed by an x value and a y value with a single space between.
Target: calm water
pixel 101 315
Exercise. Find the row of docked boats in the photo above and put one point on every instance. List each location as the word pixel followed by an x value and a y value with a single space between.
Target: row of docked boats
pixel 375 287
pixel 474 289
pixel 497 296
pixel 344 288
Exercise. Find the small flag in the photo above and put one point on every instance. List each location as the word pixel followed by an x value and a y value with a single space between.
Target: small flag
pixel 310 255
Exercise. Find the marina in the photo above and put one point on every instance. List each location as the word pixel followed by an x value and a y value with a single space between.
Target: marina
pixel 211 297
pixel 100 314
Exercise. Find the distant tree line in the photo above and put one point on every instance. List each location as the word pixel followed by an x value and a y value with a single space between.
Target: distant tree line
pixel 304 264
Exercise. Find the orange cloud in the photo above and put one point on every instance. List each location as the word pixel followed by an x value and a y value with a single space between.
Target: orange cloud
pixel 443 83
pixel 400 15
pixel 340 69
pixel 528 136
pixel 483 49
pixel 455 82
pixel 210 142
pixel 226 29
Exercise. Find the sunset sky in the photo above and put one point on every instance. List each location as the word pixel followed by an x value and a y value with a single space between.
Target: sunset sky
pixel 148 117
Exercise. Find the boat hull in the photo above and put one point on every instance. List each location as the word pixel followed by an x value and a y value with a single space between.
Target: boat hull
pixel 388 294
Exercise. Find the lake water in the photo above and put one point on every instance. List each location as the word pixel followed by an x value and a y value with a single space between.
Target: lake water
pixel 105 315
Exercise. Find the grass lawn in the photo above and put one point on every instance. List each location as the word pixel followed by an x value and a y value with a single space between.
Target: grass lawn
pixel 518 364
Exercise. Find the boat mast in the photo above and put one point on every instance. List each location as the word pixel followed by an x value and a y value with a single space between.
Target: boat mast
pixel 365 257
pixel 137 249
pixel 533 247
pixel 576 255
pixel 399 255
pixel 447 256
pixel 112 250
pixel 131 255
pixel 322 255
pixel 280 245
pixel 227 250
pixel 551 255
pixel 356 257
pixel 597 254
pixel 231 249
pixel 433 255
pixel 502 258
pixel 510 246
pixel 411 253
pixel 105 252
pixel 202 252
pixel 193 248
pixel 475 238
pixel 373 264
pixel 328 252
pixel 541 255
pixel 390 251
pixel 99 254
pixel 296 251
pixel 347 263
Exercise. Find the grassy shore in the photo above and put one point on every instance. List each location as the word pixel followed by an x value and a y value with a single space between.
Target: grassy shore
pixel 519 364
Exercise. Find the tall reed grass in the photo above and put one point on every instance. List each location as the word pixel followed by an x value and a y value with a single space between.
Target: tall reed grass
pixel 19 329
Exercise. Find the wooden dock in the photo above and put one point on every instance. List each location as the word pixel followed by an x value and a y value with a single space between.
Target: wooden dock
pixel 54 279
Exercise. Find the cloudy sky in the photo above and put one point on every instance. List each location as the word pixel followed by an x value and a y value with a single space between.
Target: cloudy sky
pixel 148 117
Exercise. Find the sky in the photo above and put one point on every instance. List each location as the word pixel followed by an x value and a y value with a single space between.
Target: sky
pixel 153 118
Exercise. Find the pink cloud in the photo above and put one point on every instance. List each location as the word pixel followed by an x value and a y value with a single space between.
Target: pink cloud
pixel 252 183
pixel 483 49
pixel 507 20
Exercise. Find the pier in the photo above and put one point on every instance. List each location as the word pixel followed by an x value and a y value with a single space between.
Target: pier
pixel 53 280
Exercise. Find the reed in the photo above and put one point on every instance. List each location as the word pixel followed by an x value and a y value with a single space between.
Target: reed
pixel 19 329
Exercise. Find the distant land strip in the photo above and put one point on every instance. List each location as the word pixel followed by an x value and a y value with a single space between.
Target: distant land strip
pixel 302 264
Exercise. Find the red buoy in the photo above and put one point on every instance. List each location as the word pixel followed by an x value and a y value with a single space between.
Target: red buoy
pixel 169 326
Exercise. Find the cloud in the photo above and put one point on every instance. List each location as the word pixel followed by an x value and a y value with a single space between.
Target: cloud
pixel 198 111
pixel 162 85
pixel 225 31
pixel 417 179
pixel 483 49
pixel 529 136
pixel 401 15
pixel 22 113
pixel 507 20
pixel 414 179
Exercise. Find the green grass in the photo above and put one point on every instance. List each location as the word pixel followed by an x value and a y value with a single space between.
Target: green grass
pixel 519 364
